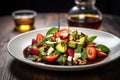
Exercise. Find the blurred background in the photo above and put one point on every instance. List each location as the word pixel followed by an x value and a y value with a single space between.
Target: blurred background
pixel 41 6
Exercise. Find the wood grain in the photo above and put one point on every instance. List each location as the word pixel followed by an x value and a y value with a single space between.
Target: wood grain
pixel 12 69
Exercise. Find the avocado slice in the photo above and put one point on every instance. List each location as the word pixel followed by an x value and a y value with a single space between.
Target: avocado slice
pixel 72 44
pixel 81 42
pixel 71 37
pixel 41 49
pixel 61 48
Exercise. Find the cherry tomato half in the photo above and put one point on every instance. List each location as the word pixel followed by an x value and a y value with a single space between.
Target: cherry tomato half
pixel 51 58
pixel 39 37
pixel 91 52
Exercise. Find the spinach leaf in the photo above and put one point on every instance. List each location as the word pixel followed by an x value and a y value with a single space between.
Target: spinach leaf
pixel 103 48
pixel 92 38
pixel 62 59
pixel 52 30
pixel 84 54
pixel 44 39
pixel 78 50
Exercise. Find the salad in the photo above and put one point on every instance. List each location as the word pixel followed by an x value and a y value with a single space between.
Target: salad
pixel 65 47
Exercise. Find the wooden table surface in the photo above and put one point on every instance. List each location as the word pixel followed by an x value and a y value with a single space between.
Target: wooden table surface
pixel 12 69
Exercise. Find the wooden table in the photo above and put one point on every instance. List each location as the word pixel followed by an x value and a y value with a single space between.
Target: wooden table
pixel 12 69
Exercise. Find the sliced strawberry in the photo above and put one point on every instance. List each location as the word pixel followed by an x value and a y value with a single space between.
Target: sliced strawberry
pixel 91 44
pixel 102 54
pixel 34 41
pixel 70 52
pixel 91 52
pixel 63 34
pixel 39 37
pixel 34 50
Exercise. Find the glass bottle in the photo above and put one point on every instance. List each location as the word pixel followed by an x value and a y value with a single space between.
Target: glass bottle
pixel 85 14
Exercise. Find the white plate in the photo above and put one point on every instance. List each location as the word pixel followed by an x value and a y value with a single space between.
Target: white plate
pixel 17 44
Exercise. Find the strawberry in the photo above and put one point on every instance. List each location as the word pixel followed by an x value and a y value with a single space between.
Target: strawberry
pixel 34 50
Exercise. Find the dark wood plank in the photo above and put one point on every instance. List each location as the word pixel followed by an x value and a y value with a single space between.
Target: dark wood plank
pixel 44 20
pixel 63 19
pixel 111 24
pixel 6 29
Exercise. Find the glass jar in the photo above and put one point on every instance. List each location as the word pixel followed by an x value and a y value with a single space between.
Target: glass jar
pixel 85 14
